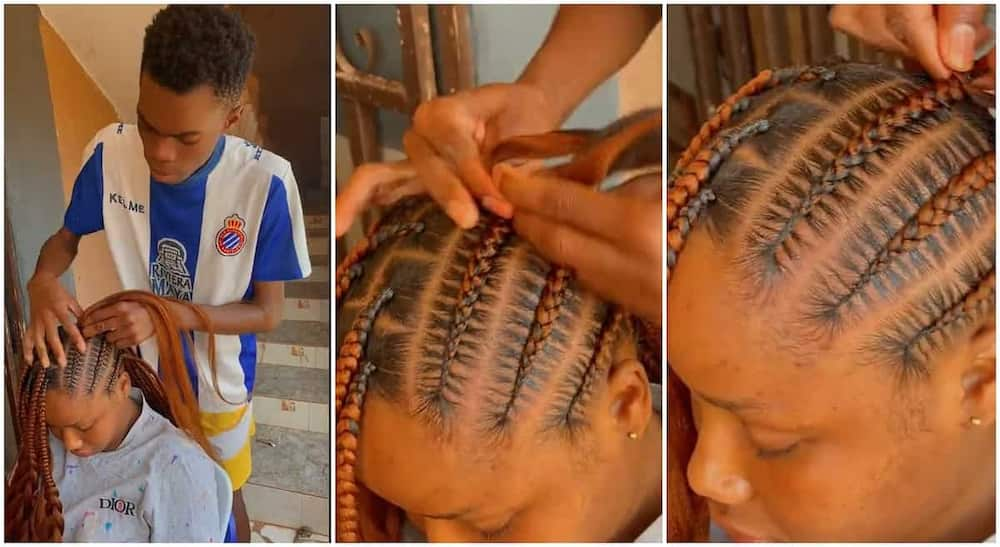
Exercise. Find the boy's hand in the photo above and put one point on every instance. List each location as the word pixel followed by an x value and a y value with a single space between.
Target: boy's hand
pixel 612 241
pixel 51 304
pixel 127 323
pixel 448 146
pixel 943 39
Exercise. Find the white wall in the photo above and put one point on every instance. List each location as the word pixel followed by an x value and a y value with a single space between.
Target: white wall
pixel 107 41
pixel 640 82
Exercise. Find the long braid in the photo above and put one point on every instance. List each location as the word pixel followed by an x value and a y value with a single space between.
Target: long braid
pixel 34 510
pixel 451 290
pixel 870 215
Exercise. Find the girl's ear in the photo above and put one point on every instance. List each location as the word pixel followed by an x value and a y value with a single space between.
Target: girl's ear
pixel 978 377
pixel 123 385
pixel 630 398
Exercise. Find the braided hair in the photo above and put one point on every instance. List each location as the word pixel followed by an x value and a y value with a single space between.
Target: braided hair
pixel 437 316
pixel 33 508
pixel 856 181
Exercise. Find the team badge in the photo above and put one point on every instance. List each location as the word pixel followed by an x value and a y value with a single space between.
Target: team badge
pixel 231 238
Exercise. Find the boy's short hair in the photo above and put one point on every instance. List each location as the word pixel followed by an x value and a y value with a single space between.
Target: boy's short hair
pixel 187 46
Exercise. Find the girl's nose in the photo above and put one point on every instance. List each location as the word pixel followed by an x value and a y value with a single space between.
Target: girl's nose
pixel 716 468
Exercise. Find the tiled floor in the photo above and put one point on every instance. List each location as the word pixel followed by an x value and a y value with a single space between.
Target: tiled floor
pixel 271 533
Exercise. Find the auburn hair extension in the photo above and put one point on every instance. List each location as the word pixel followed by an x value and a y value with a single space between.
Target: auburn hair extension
pixel 33 509
pixel 423 307
pixel 861 180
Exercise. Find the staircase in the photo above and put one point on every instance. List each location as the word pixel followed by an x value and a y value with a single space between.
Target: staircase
pixel 288 494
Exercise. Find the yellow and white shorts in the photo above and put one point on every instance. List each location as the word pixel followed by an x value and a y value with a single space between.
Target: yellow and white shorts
pixel 231 434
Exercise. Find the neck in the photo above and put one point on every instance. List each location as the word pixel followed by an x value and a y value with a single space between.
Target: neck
pixel 130 413
pixel 644 482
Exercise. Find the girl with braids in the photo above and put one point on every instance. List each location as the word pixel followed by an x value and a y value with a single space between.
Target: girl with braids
pixel 482 394
pixel 831 239
pixel 109 452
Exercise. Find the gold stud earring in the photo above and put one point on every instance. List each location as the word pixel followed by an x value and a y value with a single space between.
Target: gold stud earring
pixel 975 421
pixel 633 435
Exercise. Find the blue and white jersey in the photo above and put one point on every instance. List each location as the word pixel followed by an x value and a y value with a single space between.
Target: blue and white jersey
pixel 235 221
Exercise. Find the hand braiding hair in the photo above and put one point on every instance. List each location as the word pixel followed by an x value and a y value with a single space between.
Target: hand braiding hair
pixel 424 307
pixel 33 509
pixel 859 180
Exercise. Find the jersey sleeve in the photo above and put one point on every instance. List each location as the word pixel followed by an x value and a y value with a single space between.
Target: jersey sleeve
pixel 281 253
pixel 85 214
pixel 187 508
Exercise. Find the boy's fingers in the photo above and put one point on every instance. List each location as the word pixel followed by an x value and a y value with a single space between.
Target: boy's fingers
pixel 53 343
pixel 28 344
pixel 598 264
pixel 563 202
pixel 957 29
pixel 442 184
pixel 40 350
pixel 916 28
pixel 361 187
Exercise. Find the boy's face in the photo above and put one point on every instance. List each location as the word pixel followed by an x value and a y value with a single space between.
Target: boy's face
pixel 179 132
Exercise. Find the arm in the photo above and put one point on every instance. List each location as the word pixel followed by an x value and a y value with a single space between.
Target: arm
pixel 585 46
pixel 262 313
pixel 56 255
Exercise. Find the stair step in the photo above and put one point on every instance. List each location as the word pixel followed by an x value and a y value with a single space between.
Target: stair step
pixel 295 383
pixel 320 273
pixel 308 289
pixel 316 221
pixel 303 333
pixel 285 508
pixel 306 309
pixel 292 414
pixel 318 245
pixel 292 355
pixel 319 260
pixel 298 462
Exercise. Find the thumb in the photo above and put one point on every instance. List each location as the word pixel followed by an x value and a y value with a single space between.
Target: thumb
pixel 361 187
pixel 957 29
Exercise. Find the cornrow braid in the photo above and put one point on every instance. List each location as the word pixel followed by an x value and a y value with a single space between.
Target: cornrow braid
pixel 867 182
pixel 34 510
pixel 479 304
pixel 977 176
pixel 541 328
pixel 740 101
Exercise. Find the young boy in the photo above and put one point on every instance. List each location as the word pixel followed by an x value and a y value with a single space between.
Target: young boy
pixel 190 213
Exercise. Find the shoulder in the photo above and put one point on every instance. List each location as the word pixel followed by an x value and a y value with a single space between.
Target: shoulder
pixel 243 154
pixel 117 132
pixel 177 456
pixel 116 137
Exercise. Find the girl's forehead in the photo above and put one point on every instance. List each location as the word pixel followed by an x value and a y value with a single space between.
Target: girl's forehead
pixel 401 459
pixel 65 409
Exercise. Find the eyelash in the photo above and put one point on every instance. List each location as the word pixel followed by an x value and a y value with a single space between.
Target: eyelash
pixel 767 454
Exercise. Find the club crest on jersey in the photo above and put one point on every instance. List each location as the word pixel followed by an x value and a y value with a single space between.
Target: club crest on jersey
pixel 231 238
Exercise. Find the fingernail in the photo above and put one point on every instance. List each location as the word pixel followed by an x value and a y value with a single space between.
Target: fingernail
pixel 960 47
pixel 499 207
pixel 463 213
